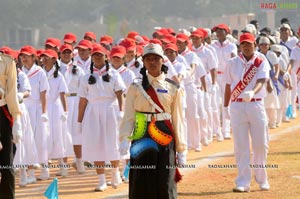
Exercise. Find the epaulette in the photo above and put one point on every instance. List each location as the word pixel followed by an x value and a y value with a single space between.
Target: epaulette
pixel 172 82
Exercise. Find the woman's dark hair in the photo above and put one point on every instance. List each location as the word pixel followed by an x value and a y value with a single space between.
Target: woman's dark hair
pixel 145 81
pixel 92 79
pixel 164 69
pixel 136 62
pixel 106 77
pixel 74 68
pixel 56 69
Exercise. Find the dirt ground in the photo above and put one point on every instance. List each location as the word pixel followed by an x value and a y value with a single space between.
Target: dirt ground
pixel 204 180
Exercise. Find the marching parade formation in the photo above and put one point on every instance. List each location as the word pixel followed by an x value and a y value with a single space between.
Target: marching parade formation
pixel 145 102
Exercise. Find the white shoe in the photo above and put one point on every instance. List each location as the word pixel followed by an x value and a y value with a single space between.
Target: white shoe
pixel 31 179
pixel 116 180
pixel 205 142
pixel 102 183
pixel 264 186
pixel 44 174
pixel 62 172
pixel 23 178
pixel 241 189
pixel 80 167
pixel 36 166
pixel 220 138
pixel 198 149
pixel 227 136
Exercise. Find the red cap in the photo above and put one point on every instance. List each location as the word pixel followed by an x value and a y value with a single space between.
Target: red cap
pixel 162 32
pixel 85 44
pixel 132 35
pixel 169 39
pixel 171 31
pixel 54 42
pixel 128 43
pixel 90 35
pixel 99 49
pixel 106 39
pixel 66 47
pixel 247 37
pixel 172 47
pixel 145 38
pixel 13 53
pixel 70 37
pixel 50 53
pixel 197 33
pixel 118 51
pixel 28 50
pixel 39 52
pixel 139 50
pixel 4 49
pixel 221 26
pixel 155 41
pixel 182 37
pixel 205 33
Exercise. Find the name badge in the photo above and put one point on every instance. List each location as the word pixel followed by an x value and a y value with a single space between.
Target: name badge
pixel 161 90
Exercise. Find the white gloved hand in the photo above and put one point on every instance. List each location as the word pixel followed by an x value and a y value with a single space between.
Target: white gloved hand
pixel 20 97
pixel 286 76
pixel 181 158
pixel 1 93
pixel 247 96
pixel 17 131
pixel 78 128
pixel 64 116
pixel 44 117
pixel 124 146
pixel 226 113
pixel 120 115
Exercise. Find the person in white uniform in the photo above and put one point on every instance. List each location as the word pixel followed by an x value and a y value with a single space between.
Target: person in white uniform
pixel 83 59
pixel 245 77
pixel 59 141
pixel 26 150
pixel 192 114
pixel 36 104
pixel 99 92
pixel 271 100
pixel 225 50
pixel 72 74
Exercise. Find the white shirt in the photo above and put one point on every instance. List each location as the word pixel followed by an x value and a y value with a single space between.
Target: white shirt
pixel 206 56
pixel 295 55
pixel 57 85
pixel 135 70
pixel 23 82
pixel 127 76
pixel 180 69
pixel 191 58
pixel 101 90
pixel 224 52
pixel 237 67
pixel 38 82
pixel 85 65
pixel 72 80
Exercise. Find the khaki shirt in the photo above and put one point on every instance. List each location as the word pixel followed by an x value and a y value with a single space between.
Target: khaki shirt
pixel 171 100
pixel 8 82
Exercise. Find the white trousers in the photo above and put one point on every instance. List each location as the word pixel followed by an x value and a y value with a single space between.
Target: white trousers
pixel 250 117
pixel 225 122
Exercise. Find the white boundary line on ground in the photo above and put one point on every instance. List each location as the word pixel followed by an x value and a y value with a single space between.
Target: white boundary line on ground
pixel 213 157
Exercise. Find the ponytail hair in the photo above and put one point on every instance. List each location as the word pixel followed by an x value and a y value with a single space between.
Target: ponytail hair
pixel 74 68
pixel 92 80
pixel 106 77
pixel 136 62
pixel 164 69
pixel 56 69
pixel 145 81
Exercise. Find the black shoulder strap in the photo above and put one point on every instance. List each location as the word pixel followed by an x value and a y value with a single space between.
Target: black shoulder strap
pixel 172 82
